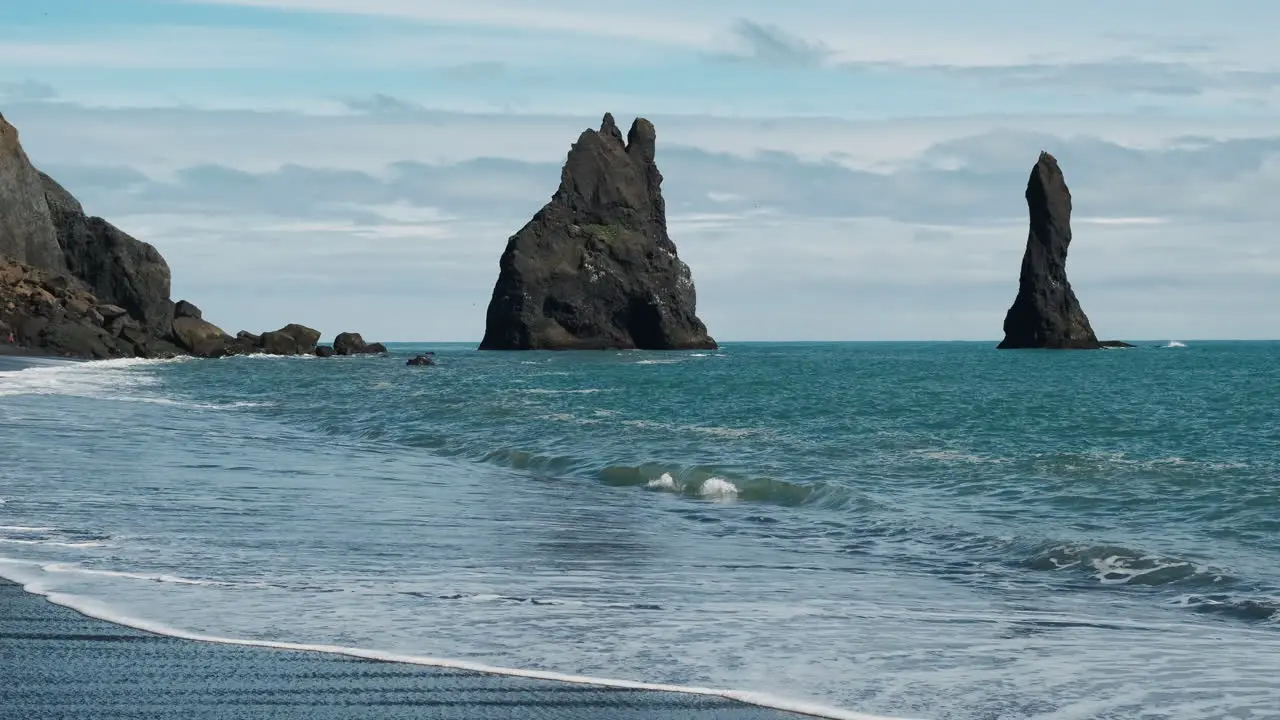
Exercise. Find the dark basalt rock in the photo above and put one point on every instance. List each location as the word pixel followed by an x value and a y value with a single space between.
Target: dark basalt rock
pixel 292 339
pixel 186 309
pixel 200 337
pixel 76 285
pixel 1115 344
pixel 119 269
pixel 1045 313
pixel 423 359
pixel 349 343
pixel 324 351
pixel 595 268
pixel 27 234
pixel 55 314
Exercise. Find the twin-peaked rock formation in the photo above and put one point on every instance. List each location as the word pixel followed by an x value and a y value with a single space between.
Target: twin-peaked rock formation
pixel 595 268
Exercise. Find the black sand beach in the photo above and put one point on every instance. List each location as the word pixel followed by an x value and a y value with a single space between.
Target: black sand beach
pixel 14 358
pixel 56 664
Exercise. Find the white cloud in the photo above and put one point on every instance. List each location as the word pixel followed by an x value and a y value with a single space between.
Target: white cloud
pixel 920 32
pixel 360 222
pixel 599 19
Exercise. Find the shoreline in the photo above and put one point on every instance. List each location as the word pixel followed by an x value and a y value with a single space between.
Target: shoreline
pixel 69 663
pixel 13 359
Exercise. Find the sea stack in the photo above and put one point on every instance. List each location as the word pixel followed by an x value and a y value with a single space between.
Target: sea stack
pixel 595 268
pixel 1045 313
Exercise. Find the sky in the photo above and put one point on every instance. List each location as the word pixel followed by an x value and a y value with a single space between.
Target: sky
pixel 835 169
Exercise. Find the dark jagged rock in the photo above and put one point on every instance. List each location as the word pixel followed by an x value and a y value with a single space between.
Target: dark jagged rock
pixel 422 359
pixel 324 351
pixel 595 267
pixel 185 309
pixel 118 268
pixel 27 234
pixel 1045 313
pixel 1115 344
pixel 55 314
pixel 76 285
pixel 349 343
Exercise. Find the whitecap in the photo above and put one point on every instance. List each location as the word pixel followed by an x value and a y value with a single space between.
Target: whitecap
pixel 665 482
pixel 715 488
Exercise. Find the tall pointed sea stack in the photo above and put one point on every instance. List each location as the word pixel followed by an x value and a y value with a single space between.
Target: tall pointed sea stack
pixel 1046 313
pixel 594 268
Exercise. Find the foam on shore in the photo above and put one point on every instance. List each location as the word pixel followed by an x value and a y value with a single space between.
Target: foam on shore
pixel 11 570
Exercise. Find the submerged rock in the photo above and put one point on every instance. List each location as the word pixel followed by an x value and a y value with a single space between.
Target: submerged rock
pixel 422 359
pixel 1046 313
pixel 595 268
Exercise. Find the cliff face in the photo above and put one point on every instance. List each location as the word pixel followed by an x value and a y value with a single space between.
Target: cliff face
pixel 595 267
pixel 75 285
pixel 1046 313
pixel 117 268
pixel 26 231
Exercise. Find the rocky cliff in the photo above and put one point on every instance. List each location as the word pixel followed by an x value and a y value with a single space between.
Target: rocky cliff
pixel 27 234
pixel 595 268
pixel 75 285
pixel 1046 313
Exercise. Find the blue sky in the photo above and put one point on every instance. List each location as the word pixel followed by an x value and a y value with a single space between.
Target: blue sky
pixel 835 170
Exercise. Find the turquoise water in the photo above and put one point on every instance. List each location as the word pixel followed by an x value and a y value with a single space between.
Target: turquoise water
pixel 908 530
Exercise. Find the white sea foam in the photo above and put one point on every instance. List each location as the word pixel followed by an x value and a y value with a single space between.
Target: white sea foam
pixel 117 380
pixel 723 432
pixel 718 489
pixel 1176 344
pixel 90 607
pixel 103 379
pixel 548 391
pixel 665 482
pixel 264 356
pixel 147 577
pixel 656 362
pixel 956 456
pixel 55 543
pixel 1118 570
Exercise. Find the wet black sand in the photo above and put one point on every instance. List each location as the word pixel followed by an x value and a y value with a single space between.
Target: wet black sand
pixel 57 664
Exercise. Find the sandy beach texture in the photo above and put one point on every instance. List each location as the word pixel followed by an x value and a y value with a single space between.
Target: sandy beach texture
pixel 56 664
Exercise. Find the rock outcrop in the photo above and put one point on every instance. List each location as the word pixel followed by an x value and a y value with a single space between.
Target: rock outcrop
pixel 58 315
pixel 595 268
pixel 349 343
pixel 1046 313
pixel 76 285
pixel 292 339
pixel 27 234
pixel 118 268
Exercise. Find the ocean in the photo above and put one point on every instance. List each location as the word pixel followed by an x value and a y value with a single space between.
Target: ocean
pixel 905 530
